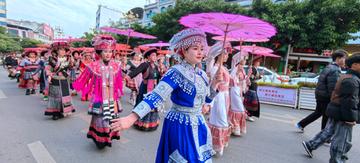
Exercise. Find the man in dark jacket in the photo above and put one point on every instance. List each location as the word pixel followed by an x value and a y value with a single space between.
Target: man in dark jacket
pixel 343 112
pixel 349 112
pixel 324 88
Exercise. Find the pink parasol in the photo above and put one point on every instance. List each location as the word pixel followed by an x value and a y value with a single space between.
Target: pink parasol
pixel 127 32
pixel 232 39
pixel 34 50
pixel 254 49
pixel 158 44
pixel 69 39
pixel 224 24
pixel 268 55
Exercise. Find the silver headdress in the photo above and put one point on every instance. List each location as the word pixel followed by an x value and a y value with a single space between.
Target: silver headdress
pixel 242 55
pixel 186 38
pixel 215 51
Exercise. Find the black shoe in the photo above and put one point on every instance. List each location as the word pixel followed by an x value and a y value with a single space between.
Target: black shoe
pixel 41 92
pixel 27 92
pixel 100 146
pixel 33 91
pixel 307 149
pixel 54 117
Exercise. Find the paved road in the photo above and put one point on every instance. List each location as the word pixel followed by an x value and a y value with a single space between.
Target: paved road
pixel 28 136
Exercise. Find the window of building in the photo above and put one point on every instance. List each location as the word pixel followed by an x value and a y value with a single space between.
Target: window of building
pixel 149 14
pixel 163 9
pixel 2 23
pixel 23 34
pixel 13 32
pixel 2 7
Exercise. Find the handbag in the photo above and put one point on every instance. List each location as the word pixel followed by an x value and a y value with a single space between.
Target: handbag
pixel 251 102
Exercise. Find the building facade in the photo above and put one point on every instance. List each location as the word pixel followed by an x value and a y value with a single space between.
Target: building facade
pixel 3 13
pixel 152 9
pixel 28 29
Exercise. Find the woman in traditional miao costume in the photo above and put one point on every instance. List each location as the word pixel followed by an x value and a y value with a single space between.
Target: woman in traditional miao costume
pixel 161 64
pixel 185 136
pixel 134 83
pixel 254 76
pixel 74 70
pixel 30 66
pixel 59 103
pixel 20 72
pixel 86 60
pixel 44 68
pixel 151 76
pixel 238 87
pixel 218 119
pixel 103 80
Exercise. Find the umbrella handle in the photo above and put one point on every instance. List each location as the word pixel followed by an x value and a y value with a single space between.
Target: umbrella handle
pixel 127 41
pixel 223 48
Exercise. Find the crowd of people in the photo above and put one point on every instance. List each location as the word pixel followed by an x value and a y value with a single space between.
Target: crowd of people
pixel 209 103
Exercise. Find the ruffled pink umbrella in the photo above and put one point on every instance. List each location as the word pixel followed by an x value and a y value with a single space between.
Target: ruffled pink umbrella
pixel 268 55
pixel 254 49
pixel 158 44
pixel 231 39
pixel 127 32
pixel 69 39
pixel 224 24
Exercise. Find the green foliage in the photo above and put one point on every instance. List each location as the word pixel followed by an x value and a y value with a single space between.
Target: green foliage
pixel 7 43
pixel 10 44
pixel 2 30
pixel 318 24
pixel 285 86
pixel 307 84
pixel 88 36
pixel 29 43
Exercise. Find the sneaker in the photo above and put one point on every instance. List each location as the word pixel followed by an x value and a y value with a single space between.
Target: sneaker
pixel 301 129
pixel 33 91
pixel 45 98
pixel 307 149
pixel 55 117
pixel 27 92
pixel 219 153
pixel 327 143
pixel 251 119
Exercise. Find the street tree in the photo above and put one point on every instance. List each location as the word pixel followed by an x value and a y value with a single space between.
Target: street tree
pixel 316 24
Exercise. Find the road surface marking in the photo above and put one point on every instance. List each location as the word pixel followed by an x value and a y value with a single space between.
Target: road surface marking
pixel 40 153
pixel 2 94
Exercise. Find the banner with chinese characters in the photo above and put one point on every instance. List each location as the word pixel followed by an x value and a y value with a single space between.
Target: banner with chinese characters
pixel 277 96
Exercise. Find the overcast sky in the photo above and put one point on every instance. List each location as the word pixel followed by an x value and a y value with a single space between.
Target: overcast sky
pixel 74 16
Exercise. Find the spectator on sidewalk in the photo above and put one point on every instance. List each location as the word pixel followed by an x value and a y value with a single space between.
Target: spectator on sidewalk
pixel 324 88
pixel 343 112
